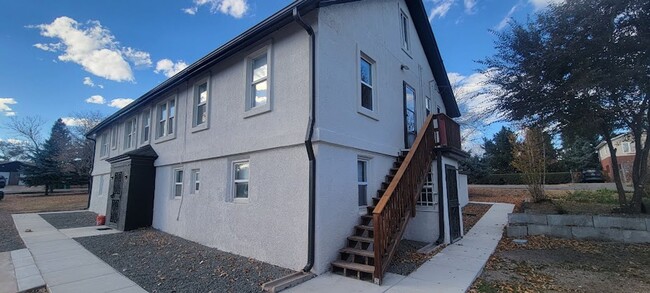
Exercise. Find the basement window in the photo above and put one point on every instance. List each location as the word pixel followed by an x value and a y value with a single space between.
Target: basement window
pixel 362 181
pixel 428 198
pixel 196 181
pixel 178 183
pixel 241 177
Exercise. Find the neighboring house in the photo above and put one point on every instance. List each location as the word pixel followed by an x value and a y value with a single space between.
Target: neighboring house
pixel 625 151
pixel 12 172
pixel 241 149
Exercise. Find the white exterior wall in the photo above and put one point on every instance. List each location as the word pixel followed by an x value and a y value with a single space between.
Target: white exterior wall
pixel 463 190
pixel 424 226
pixel 273 226
pixel 342 133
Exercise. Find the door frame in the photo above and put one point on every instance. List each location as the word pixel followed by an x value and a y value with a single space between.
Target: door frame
pixel 451 215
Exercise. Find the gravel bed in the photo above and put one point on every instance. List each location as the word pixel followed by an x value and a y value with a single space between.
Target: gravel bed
pixel 160 262
pixel 70 220
pixel 407 259
pixel 9 238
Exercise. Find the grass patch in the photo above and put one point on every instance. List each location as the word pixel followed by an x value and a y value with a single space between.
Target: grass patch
pixel 603 196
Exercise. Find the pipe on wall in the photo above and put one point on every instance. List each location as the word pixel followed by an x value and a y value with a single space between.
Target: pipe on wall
pixel 308 142
pixel 90 175
pixel 441 202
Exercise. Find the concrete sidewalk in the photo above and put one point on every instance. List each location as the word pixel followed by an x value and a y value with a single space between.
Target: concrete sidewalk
pixel 451 270
pixel 64 264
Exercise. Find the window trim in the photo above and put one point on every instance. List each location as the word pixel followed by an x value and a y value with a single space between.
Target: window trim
pixel 195 98
pixel 373 114
pixel 175 183
pixel 134 133
pixel 167 136
pixel 141 139
pixel 233 181
pixel 405 32
pixel 366 164
pixel 249 110
pixel 104 140
pixel 194 179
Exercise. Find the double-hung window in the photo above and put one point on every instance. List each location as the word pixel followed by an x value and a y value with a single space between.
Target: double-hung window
pixel 146 126
pixel 166 116
pixel 428 197
pixel 200 109
pixel 427 105
pixel 130 127
pixel 114 131
pixel 365 71
pixel 626 147
pixel 241 176
pixel 178 183
pixel 404 24
pixel 362 182
pixel 258 82
pixel 103 151
pixel 196 181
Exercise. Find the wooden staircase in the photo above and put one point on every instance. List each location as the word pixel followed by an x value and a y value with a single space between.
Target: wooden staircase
pixel 374 241
pixel 357 259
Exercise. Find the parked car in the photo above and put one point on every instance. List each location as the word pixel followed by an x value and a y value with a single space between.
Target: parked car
pixel 2 195
pixel 592 175
pixel 3 182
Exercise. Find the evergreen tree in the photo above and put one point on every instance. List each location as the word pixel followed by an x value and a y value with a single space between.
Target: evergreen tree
pixel 50 163
pixel 498 151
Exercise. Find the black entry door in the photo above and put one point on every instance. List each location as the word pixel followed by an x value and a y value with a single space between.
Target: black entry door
pixel 452 202
pixel 117 187
pixel 410 122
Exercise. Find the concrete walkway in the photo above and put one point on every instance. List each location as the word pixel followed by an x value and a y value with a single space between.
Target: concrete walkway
pixel 451 270
pixel 64 264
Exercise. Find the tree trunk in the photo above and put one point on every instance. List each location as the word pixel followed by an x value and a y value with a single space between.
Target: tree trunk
pixel 622 201
pixel 47 190
pixel 639 170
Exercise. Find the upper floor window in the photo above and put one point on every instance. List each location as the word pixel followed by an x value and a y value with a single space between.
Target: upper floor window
pixel 103 141
pixel 366 74
pixel 114 138
pixel 404 24
pixel 427 105
pixel 258 79
pixel 200 106
pixel 130 127
pixel 166 116
pixel 626 147
pixel 146 126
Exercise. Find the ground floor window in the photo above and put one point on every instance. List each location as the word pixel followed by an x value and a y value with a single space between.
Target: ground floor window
pixel 196 181
pixel 241 176
pixel 178 182
pixel 362 181
pixel 428 198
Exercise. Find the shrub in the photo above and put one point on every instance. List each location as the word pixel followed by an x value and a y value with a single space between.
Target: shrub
pixel 517 179
pixel 603 196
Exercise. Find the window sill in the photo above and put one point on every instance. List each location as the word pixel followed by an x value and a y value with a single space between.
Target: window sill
pixel 199 128
pixel 241 200
pixel 165 138
pixel 257 110
pixel 368 113
pixel 177 197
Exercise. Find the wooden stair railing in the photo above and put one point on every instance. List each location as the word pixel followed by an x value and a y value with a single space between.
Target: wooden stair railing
pixel 397 205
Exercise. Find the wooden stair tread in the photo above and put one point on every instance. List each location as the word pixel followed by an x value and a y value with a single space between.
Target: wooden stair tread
pixel 354 266
pixel 365 227
pixel 356 251
pixel 361 239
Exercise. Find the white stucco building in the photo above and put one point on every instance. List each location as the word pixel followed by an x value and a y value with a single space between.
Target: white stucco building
pixel 273 145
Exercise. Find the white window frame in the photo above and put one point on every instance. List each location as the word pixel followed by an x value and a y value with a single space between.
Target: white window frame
pixel 234 182
pixel 626 145
pixel 104 145
pixel 195 104
pixel 429 187
pixel 196 181
pixel 146 139
pixel 366 165
pixel 249 110
pixel 371 113
pixel 176 183
pixel 114 137
pixel 167 135
pixel 427 106
pixel 130 135
pixel 405 32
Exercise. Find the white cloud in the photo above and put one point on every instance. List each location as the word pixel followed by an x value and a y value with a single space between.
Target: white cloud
pixel 169 68
pixel 234 8
pixel 93 47
pixel 4 106
pixel 470 6
pixel 71 121
pixel 541 4
pixel 96 99
pixel 120 102
pixel 89 82
pixel 440 8
pixel 504 22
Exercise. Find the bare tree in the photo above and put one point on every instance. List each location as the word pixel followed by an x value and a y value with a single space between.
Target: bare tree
pixel 28 128
pixel 83 148
pixel 530 160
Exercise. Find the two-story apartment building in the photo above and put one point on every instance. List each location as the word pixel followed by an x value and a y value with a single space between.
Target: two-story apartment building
pixel 272 146
pixel 625 152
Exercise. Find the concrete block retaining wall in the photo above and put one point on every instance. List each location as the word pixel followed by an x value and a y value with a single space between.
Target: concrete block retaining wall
pixel 620 229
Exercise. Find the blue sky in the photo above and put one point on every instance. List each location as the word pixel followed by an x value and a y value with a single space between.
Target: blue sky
pixel 62 57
